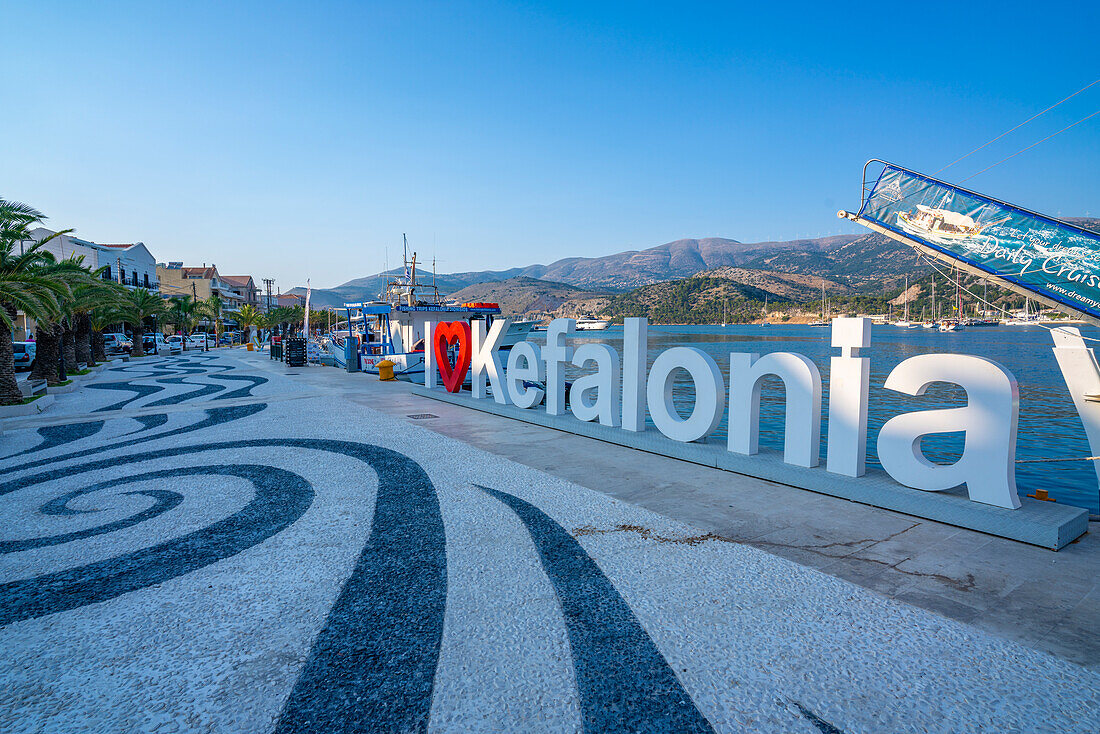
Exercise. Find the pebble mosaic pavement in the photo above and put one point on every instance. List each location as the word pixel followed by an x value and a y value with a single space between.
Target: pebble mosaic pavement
pixel 209 546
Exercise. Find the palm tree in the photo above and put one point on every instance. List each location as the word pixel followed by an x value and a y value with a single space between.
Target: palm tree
pixel 103 316
pixel 212 308
pixel 55 354
pixel 248 317
pixel 140 305
pixel 182 312
pixel 23 286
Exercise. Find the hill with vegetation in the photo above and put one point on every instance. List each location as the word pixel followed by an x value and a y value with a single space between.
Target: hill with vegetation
pixel 523 296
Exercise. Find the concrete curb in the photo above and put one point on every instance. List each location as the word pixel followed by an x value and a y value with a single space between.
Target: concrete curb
pixel 1045 524
pixel 32 408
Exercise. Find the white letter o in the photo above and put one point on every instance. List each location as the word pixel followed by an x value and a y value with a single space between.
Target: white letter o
pixel 710 394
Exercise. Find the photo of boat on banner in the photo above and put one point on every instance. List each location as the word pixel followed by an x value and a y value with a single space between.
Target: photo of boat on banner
pixel 1059 260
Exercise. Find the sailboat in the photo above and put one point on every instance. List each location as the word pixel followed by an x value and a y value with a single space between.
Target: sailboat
pixel 932 324
pixel 823 321
pixel 905 323
pixel 765 320
pixel 956 324
pixel 1026 320
pixel 724 313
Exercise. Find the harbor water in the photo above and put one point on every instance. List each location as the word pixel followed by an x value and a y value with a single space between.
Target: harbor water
pixel 1049 427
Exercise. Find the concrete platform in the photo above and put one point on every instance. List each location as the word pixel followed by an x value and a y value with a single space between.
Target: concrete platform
pixel 220 543
pixel 1045 524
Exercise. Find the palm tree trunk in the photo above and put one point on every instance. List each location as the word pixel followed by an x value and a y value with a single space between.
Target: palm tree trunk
pixel 84 338
pixel 9 388
pixel 139 340
pixel 68 343
pixel 48 343
pixel 99 346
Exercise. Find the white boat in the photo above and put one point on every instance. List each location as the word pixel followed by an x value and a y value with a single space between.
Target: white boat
pixel 824 321
pixel 518 331
pixel 1027 319
pixel 587 323
pixel 941 224
pixel 905 323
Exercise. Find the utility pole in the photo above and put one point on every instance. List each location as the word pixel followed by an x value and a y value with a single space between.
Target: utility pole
pixel 268 283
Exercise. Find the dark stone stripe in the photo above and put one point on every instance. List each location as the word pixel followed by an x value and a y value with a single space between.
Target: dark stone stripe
pixel 625 683
pixel 140 391
pixel 149 422
pixel 214 416
pixel 281 498
pixel 373 665
pixel 242 392
pixel 165 500
pixel 819 723
pixel 54 436
pixel 206 389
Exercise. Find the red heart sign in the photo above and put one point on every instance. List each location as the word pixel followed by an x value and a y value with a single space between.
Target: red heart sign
pixel 446 334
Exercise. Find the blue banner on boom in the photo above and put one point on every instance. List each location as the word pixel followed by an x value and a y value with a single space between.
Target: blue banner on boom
pixel 1043 255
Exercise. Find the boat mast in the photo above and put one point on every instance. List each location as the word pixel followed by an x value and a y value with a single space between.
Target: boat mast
pixel 907 299
pixel 958 297
pixel 933 298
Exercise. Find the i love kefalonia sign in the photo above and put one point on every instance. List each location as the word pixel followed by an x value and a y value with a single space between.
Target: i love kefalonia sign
pixel 614 393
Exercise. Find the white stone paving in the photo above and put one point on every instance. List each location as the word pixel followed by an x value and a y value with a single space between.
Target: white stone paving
pixel 748 634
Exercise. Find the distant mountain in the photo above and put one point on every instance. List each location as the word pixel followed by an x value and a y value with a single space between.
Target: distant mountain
pixel 1090 223
pixel 524 295
pixel 864 262
pixel 849 263
pixel 781 286
pixel 620 271
pixel 694 300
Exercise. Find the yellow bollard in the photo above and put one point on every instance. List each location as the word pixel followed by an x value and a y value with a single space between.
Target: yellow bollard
pixel 385 370
pixel 250 346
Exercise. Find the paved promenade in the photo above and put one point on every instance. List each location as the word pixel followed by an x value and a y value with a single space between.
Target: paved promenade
pixel 216 543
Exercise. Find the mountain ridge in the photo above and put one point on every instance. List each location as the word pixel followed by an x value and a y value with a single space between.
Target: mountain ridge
pixel 619 271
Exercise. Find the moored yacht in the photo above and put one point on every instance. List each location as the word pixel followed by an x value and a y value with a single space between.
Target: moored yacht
pixel 587 323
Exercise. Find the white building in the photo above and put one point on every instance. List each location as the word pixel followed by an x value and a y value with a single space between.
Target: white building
pixel 131 265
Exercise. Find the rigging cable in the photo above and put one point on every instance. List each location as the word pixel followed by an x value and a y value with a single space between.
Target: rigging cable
pixel 1021 150
pixel 1039 114
pixel 1002 309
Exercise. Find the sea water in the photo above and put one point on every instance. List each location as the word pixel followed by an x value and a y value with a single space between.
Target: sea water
pixel 1049 426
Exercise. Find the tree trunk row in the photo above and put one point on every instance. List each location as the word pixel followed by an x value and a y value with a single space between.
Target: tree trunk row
pixel 9 388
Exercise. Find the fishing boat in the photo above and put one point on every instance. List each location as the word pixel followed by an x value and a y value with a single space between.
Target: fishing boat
pixel 393 327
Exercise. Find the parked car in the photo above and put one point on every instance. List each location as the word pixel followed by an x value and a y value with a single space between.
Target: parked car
pixel 24 355
pixel 169 345
pixel 197 340
pixel 229 337
pixel 117 344
pixel 149 343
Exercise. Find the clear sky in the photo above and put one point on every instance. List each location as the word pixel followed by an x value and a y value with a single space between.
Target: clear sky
pixel 297 140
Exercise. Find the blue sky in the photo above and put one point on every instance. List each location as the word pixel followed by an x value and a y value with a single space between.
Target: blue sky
pixel 298 140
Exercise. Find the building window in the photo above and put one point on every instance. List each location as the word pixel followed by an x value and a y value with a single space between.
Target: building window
pixel 135 278
pixel 146 280
pixel 107 273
